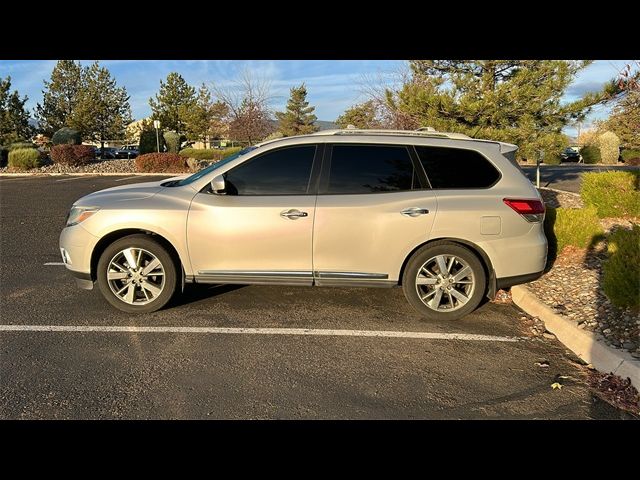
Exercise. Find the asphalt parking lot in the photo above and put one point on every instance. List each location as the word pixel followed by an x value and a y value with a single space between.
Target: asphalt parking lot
pixel 206 358
pixel 568 176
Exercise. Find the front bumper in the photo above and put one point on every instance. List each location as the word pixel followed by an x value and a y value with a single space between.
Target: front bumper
pixel 76 245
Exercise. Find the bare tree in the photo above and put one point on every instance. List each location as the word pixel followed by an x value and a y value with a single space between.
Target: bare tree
pixel 380 90
pixel 247 99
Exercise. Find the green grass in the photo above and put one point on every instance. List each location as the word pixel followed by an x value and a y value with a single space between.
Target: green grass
pixel 571 226
pixel 209 153
pixel 613 194
pixel 630 153
pixel 621 270
pixel 24 158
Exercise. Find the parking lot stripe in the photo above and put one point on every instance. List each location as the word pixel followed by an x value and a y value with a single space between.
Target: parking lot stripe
pixel 54 263
pixel 126 178
pixel 76 178
pixel 258 331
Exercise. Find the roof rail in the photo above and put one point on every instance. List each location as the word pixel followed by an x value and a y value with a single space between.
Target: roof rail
pixel 412 133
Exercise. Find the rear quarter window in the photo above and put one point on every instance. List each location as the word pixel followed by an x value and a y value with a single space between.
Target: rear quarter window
pixel 457 168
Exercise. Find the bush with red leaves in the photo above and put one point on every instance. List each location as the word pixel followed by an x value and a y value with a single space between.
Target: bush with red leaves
pixel 161 163
pixel 73 155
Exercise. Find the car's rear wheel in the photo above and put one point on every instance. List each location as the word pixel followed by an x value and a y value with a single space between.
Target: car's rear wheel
pixel 137 274
pixel 444 281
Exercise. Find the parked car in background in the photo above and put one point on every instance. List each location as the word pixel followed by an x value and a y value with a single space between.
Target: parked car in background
pixel 127 151
pixel 106 153
pixel 448 218
pixel 570 155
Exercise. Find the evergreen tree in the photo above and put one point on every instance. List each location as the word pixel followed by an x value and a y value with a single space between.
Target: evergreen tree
pixel 298 119
pixel 102 110
pixel 14 119
pixel 60 96
pixel 204 118
pixel 362 115
pixel 625 120
pixel 517 101
pixel 172 103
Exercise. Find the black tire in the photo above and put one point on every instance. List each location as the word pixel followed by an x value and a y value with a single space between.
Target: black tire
pixel 420 257
pixel 147 243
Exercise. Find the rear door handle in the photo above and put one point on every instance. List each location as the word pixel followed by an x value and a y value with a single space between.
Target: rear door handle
pixel 414 212
pixel 293 214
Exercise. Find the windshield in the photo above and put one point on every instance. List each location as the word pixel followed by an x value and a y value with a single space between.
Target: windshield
pixel 213 167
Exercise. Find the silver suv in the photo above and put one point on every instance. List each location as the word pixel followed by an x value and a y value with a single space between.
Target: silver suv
pixel 449 218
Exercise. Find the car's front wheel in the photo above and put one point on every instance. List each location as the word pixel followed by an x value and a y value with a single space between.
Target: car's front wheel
pixel 137 274
pixel 444 281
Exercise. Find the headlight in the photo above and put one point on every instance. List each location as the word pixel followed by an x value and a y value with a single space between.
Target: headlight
pixel 80 214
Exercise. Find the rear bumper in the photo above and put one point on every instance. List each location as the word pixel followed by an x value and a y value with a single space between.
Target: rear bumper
pixel 506 282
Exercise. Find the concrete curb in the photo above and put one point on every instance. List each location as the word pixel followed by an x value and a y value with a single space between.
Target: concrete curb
pixel 88 174
pixel 583 343
pixel 559 191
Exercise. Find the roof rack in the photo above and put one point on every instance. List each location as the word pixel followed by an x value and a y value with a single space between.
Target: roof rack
pixel 413 133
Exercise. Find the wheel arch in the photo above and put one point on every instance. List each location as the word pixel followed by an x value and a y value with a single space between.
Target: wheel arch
pixel 111 237
pixel 478 251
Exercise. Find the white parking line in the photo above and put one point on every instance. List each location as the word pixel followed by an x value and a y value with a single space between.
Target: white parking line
pixel 259 331
pixel 75 178
pixel 126 178
pixel 54 263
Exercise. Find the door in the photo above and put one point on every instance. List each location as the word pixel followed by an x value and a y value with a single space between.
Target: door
pixel 260 229
pixel 373 209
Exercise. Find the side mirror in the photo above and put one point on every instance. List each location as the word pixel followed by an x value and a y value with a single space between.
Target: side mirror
pixel 217 185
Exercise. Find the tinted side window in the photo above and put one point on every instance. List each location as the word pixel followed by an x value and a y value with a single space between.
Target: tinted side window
pixel 457 168
pixel 371 169
pixel 281 172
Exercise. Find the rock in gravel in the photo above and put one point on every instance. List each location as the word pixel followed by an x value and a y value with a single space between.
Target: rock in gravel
pixel 548 335
pixel 629 345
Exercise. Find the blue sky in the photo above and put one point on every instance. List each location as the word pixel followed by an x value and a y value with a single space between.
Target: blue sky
pixel 333 85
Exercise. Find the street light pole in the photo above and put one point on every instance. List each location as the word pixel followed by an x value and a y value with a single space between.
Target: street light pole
pixel 156 124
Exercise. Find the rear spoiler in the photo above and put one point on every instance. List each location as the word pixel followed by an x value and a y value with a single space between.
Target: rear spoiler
pixel 508 150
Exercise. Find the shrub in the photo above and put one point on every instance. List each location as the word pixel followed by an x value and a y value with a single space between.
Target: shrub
pixel 609 144
pixel 629 153
pixel 552 159
pixel 148 141
pixel 172 140
pixel 73 155
pixel 621 270
pixel 24 158
pixel 66 136
pixel 571 226
pixel 161 163
pixel 15 146
pixel 209 153
pixel 613 194
pixel 590 154
pixel 633 162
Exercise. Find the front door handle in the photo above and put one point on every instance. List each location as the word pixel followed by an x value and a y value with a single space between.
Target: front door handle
pixel 414 212
pixel 293 214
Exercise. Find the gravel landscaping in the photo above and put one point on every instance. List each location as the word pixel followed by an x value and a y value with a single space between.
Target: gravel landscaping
pixel 99 166
pixel 572 286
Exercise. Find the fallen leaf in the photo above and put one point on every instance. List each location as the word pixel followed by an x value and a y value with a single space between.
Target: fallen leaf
pixel 556 386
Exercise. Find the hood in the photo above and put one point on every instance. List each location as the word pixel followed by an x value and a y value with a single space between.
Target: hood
pixel 122 193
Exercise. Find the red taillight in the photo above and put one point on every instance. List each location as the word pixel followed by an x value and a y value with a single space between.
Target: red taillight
pixel 532 210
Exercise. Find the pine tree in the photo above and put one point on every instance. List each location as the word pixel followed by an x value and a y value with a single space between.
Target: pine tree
pixel 102 110
pixel 204 118
pixel 624 120
pixel 362 115
pixel 517 101
pixel 60 96
pixel 175 98
pixel 298 119
pixel 14 119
